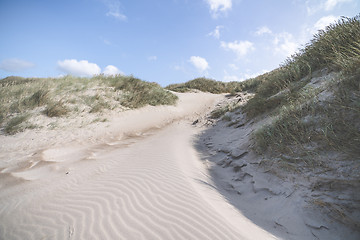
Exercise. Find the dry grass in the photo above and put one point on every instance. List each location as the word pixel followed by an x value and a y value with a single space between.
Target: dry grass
pixel 302 115
pixel 337 49
pixel 206 85
pixel 59 97
pixel 56 109
pixel 15 124
pixel 137 93
pixel 340 213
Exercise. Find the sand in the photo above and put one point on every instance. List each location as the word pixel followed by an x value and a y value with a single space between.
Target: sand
pixel 137 176
pixel 278 201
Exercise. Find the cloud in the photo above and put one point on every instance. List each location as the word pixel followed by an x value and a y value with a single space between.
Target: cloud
pixel 323 22
pixel 324 5
pixel 79 68
pixel 219 6
pixel 15 65
pixel 152 58
pixel 243 76
pixel 230 78
pixel 114 9
pixel 263 30
pixel 111 70
pixel 331 4
pixel 216 32
pixel 249 75
pixel 240 48
pixel 285 44
pixel 199 63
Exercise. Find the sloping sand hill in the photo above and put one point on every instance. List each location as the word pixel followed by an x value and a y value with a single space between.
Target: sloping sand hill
pixel 137 176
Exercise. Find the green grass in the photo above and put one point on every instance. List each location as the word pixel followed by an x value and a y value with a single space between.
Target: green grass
pixel 137 93
pixel 15 124
pixel 59 97
pixel 39 98
pixel 206 85
pixel 337 49
pixel 56 109
pixel 301 117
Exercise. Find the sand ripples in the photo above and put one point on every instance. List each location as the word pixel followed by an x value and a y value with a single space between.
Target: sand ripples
pixel 135 192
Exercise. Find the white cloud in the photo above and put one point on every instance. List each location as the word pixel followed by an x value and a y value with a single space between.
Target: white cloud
pixel 230 78
pixel 263 30
pixel 199 63
pixel 249 75
pixel 152 58
pixel 323 22
pixel 111 70
pixel 309 30
pixel 240 48
pixel 216 32
pixel 15 65
pixel 242 77
pixel 114 9
pixel 331 4
pixel 219 6
pixel 324 5
pixel 79 68
pixel 285 44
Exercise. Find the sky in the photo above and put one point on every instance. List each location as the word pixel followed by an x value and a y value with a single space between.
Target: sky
pixel 163 41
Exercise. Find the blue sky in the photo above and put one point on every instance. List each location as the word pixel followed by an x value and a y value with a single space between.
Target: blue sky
pixel 164 41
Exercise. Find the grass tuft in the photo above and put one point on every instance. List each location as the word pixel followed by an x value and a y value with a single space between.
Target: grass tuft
pixel 15 124
pixel 56 109
pixel 39 98
pixel 137 93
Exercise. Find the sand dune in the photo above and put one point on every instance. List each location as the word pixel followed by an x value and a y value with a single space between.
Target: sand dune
pixel 134 184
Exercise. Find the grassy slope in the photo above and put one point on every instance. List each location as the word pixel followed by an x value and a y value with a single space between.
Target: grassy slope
pixel 313 101
pixel 324 114
pixel 24 98
pixel 206 85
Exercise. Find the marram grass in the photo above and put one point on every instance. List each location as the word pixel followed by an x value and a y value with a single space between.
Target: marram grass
pixel 61 97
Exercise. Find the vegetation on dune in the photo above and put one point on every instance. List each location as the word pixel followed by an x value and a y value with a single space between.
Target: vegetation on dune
pixel 337 48
pixel 314 102
pixel 24 98
pixel 206 85
pixel 138 93
pixel 313 117
pixel 14 124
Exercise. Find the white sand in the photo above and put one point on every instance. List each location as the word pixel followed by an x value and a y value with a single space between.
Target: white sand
pixel 137 176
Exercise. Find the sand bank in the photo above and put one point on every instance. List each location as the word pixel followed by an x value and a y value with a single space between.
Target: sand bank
pixel 137 176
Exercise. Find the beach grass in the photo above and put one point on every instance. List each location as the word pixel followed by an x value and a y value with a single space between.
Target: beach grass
pixel 206 85
pixel 305 114
pixel 61 97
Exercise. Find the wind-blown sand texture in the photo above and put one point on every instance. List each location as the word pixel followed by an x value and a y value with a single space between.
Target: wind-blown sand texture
pixel 135 177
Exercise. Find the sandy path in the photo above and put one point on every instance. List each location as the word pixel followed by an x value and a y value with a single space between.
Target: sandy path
pixel 152 186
